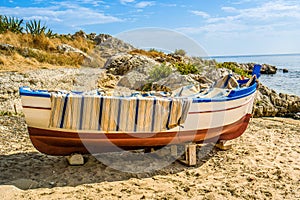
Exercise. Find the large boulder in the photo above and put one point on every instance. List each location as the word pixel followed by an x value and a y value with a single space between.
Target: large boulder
pixel 173 82
pixel 109 46
pixel 133 80
pixel 212 73
pixel 121 64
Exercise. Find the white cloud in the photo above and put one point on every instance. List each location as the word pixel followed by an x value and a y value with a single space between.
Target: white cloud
pixel 144 4
pixel 200 13
pixel 168 4
pixel 63 15
pixel 242 2
pixel 273 14
pixel 229 9
pixel 269 27
pixel 126 1
pixel 269 11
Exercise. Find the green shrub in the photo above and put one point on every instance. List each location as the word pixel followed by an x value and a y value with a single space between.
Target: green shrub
pixel 154 50
pixel 186 68
pixel 34 27
pixel 160 71
pixel 180 52
pixel 11 24
pixel 147 87
pixel 233 67
pixel 14 25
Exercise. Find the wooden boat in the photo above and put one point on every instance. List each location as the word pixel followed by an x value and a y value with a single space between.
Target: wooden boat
pixel 102 123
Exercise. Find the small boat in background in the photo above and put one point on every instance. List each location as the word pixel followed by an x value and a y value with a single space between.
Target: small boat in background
pixel 63 123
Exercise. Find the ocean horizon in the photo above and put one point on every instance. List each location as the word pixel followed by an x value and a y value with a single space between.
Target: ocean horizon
pixel 288 83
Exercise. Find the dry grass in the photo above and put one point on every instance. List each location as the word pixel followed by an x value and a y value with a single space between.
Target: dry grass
pixel 42 42
pixel 33 52
pixel 16 62
pixel 150 54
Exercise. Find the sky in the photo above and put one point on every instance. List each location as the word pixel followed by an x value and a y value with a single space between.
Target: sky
pixel 227 27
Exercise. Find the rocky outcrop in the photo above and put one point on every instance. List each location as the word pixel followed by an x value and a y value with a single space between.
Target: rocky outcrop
pixel 135 70
pixel 122 63
pixel 270 104
pixel 134 80
pixel 101 38
pixel 265 68
pixel 109 46
pixel 173 82
pixel 65 48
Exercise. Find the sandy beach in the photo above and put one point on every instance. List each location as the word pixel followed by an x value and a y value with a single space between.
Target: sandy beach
pixel 263 164
pixel 172 52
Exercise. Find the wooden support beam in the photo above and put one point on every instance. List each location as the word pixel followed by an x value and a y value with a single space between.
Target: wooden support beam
pixel 221 145
pixel 190 155
pixel 75 159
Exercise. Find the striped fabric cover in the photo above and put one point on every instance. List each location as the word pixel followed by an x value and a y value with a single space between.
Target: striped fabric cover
pixel 126 114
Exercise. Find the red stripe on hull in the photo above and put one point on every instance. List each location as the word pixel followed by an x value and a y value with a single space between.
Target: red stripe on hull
pixel 65 143
pixel 35 107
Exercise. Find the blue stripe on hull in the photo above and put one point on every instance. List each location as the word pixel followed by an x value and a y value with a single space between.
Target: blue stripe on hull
pixel 234 94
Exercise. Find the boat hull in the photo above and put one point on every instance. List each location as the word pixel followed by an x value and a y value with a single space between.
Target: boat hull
pixel 210 119
pixel 59 142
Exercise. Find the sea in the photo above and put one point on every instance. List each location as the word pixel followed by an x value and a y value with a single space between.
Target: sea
pixel 288 83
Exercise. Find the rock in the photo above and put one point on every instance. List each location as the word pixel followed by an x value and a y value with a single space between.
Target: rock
pixel 24 184
pixel 285 70
pixel 101 38
pixel 107 81
pixel 268 69
pixel 269 104
pixel 65 48
pixel 265 69
pixel 81 34
pixel 122 63
pixel 91 36
pixel 133 80
pixel 201 79
pixel 109 46
pixel 212 73
pixel 7 47
pixel 173 82
pixel 75 159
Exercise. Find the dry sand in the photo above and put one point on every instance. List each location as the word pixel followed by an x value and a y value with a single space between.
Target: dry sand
pixel 264 163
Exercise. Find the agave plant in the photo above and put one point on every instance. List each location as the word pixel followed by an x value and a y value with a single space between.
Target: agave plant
pixel 10 24
pixel 34 27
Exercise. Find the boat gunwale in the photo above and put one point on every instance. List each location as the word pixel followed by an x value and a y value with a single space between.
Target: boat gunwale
pixel 233 95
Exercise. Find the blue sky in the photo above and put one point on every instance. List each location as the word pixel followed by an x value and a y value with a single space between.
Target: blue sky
pixel 228 27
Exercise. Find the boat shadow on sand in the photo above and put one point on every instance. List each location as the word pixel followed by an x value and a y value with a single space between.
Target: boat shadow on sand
pixel 35 170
